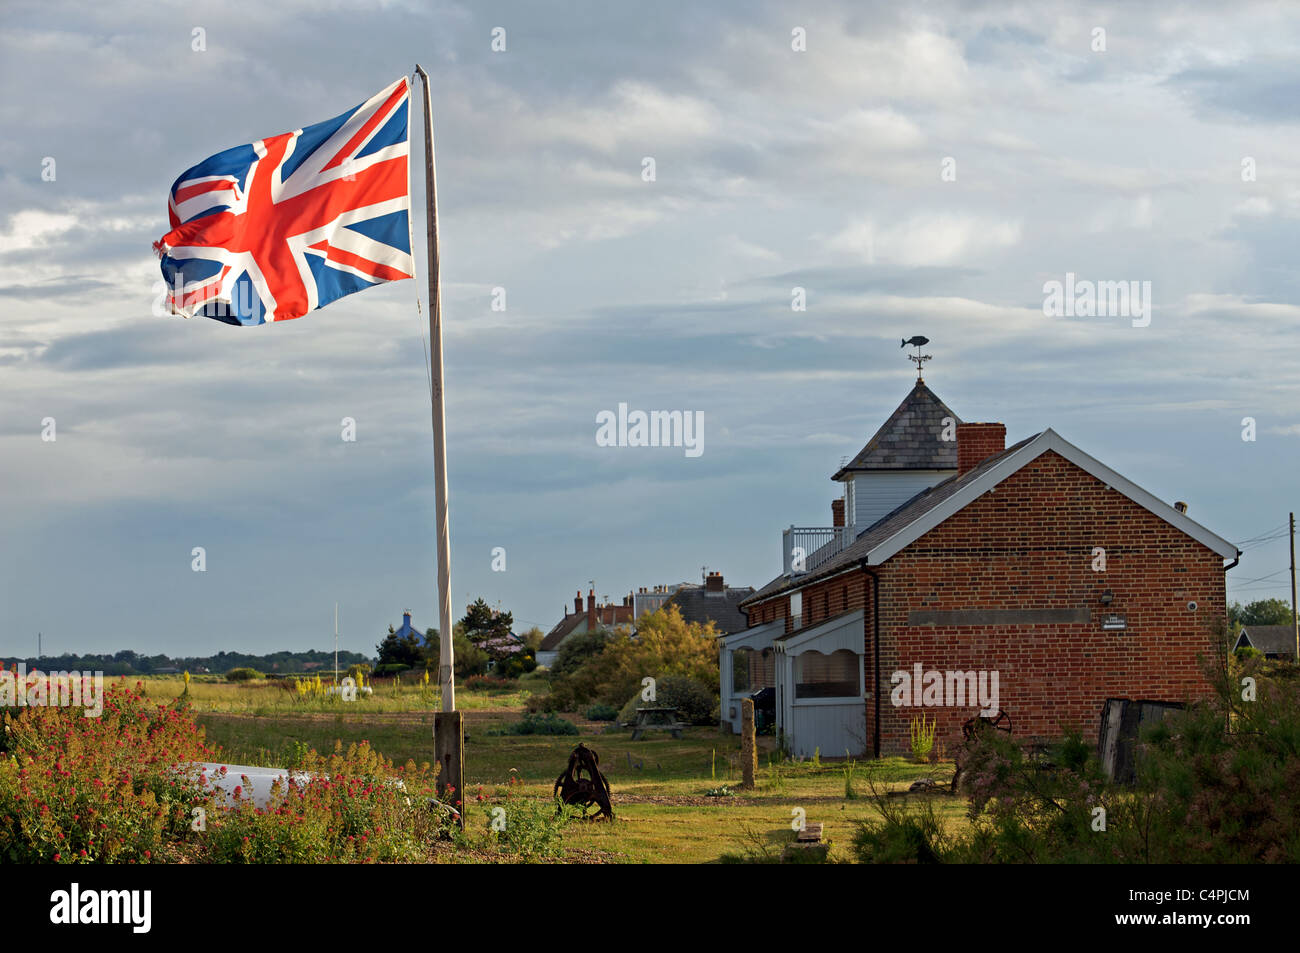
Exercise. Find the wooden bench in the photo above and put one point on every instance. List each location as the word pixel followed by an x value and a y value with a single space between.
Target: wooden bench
pixel 656 719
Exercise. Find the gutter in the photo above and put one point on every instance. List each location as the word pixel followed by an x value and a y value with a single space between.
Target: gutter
pixel 875 644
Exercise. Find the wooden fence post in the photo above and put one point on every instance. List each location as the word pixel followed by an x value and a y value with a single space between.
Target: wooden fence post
pixel 748 748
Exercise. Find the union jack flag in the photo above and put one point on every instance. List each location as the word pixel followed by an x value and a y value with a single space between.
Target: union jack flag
pixel 282 226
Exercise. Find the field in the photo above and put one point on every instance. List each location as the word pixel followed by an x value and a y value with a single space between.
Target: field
pixel 661 786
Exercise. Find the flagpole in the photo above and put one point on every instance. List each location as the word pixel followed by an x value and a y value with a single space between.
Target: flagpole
pixel 448 730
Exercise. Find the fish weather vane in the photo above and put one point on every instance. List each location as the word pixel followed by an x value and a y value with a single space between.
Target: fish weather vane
pixel 918 358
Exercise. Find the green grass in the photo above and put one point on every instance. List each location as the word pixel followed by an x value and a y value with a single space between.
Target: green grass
pixel 267 697
pixel 659 784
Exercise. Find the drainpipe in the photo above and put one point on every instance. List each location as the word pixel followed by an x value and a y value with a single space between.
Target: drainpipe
pixel 1227 717
pixel 875 643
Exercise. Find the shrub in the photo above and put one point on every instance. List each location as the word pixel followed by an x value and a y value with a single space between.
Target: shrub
pixel 577 649
pixel 1246 653
pixel 664 645
pixel 490 683
pixel 243 675
pixel 529 830
pixel 545 724
pixel 694 701
pixel 602 713
pixel 1204 794
pixel 124 788
pixel 357 808
pixel 512 666
pixel 99 790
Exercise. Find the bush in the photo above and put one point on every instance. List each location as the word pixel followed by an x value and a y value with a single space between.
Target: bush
pixel 111 789
pixel 665 645
pixel 547 724
pixel 391 669
pixel 512 666
pixel 532 829
pixel 358 808
pixel 491 683
pixel 602 713
pixel 243 675
pixel 124 788
pixel 1204 794
pixel 577 649
pixel 694 701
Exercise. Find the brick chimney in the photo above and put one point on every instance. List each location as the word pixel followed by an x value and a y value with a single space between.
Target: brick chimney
pixel 837 512
pixel 713 582
pixel 577 603
pixel 977 442
pixel 591 610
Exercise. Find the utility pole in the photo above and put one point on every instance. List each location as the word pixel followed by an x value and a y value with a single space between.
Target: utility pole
pixel 38 635
pixel 336 643
pixel 1295 618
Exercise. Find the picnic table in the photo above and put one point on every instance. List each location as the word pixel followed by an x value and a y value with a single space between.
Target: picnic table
pixel 656 719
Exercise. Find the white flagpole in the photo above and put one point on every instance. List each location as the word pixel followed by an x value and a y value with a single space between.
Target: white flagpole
pixel 449 741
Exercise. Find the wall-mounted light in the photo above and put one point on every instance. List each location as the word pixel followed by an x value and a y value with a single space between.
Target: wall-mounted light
pixel 1107 597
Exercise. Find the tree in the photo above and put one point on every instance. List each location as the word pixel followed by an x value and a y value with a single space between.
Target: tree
pixel 533 639
pixel 665 644
pixel 1261 612
pixel 470 659
pixel 577 649
pixel 487 629
pixel 405 650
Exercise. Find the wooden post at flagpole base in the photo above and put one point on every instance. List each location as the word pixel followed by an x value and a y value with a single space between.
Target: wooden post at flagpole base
pixel 448 727
pixel 748 744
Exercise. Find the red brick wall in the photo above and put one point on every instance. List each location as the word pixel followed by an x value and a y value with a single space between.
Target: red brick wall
pixel 1029 545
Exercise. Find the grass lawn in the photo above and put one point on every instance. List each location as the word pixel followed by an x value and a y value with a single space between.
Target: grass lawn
pixel 660 785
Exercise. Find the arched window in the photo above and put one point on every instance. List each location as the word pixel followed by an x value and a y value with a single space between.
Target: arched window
pixel 827 676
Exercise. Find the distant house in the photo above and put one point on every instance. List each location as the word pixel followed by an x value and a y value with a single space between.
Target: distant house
pixel 604 616
pixel 1274 641
pixel 408 630
pixel 954 560
pixel 714 602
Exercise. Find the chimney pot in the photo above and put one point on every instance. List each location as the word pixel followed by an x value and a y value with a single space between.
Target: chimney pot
pixel 1180 506
pixel 977 442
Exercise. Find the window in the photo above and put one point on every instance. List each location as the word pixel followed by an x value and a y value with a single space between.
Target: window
pixel 827 676
pixel 796 609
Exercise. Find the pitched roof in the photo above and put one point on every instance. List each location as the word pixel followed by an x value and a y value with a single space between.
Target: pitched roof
pixel 910 438
pixel 899 529
pixel 697 604
pixel 562 629
pixel 1269 639
pixel 606 616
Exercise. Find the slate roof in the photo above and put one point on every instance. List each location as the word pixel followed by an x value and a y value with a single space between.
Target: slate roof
pixel 1269 639
pixel 909 439
pixel 697 604
pixel 561 631
pixel 887 526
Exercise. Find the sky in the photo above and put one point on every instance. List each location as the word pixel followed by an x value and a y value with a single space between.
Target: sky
pixel 915 169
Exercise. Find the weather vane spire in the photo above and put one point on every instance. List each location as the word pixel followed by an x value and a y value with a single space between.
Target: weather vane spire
pixel 918 358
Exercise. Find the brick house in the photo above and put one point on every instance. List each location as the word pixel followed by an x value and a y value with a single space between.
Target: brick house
pixel 1035 565
pixel 606 615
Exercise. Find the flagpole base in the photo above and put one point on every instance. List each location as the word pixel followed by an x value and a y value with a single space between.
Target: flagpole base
pixel 449 747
